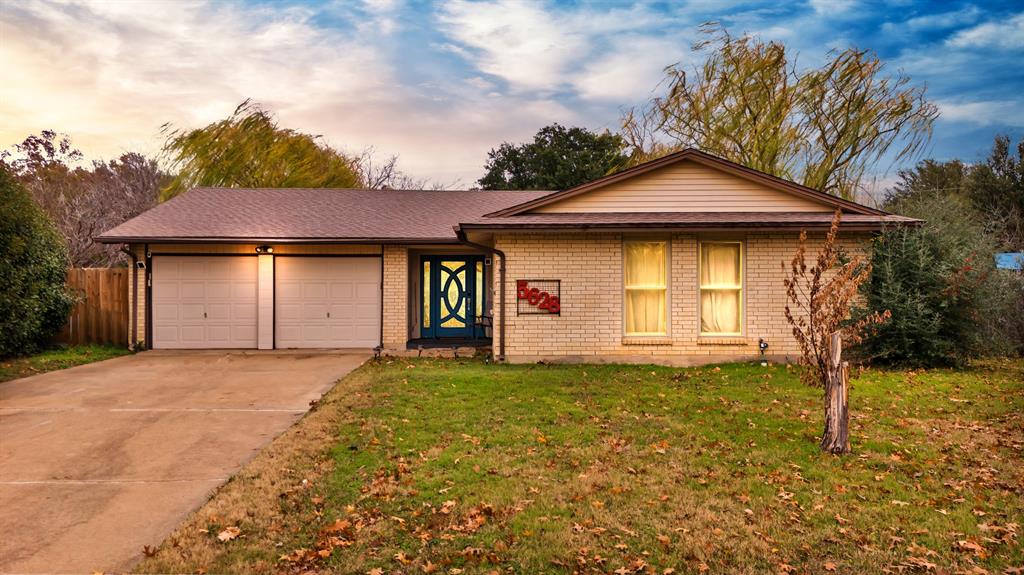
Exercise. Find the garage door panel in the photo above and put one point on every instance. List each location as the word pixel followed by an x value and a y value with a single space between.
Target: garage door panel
pixel 219 289
pixel 314 290
pixel 244 290
pixel 186 268
pixel 287 311
pixel 243 332
pixel 189 312
pixel 204 302
pixel 365 290
pixel 244 312
pixel 288 290
pixel 367 312
pixel 342 287
pixel 186 290
pixel 341 290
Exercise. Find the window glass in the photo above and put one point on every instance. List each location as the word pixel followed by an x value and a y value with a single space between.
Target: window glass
pixel 479 295
pixel 721 288
pixel 646 288
pixel 426 294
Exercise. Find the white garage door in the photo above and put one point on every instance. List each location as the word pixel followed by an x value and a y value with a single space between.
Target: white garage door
pixel 327 302
pixel 204 302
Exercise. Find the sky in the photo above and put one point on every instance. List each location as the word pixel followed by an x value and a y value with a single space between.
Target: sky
pixel 440 84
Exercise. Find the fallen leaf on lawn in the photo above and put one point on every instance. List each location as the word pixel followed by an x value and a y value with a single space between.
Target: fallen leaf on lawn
pixel 228 534
pixel 829 566
pixel 972 547
pixel 429 567
pixel 447 506
pixel 900 503
pixel 921 563
pixel 375 571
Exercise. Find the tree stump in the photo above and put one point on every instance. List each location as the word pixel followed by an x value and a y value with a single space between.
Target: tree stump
pixel 836 437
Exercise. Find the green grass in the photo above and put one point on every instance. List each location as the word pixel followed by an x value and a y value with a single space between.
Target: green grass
pixel 57 358
pixel 627 469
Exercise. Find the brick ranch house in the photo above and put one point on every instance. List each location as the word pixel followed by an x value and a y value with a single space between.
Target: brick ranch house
pixel 672 261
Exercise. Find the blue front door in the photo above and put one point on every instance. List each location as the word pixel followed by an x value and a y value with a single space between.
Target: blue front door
pixel 452 295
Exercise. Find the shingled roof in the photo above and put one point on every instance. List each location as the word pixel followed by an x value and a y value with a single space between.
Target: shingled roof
pixel 312 215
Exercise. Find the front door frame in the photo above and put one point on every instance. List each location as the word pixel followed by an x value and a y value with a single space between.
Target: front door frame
pixel 432 329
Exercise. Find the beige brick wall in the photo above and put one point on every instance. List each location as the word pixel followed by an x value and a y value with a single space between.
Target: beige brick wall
pixel 590 327
pixel 396 297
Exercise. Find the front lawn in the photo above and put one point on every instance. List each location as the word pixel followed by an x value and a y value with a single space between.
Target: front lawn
pixel 56 358
pixel 448 466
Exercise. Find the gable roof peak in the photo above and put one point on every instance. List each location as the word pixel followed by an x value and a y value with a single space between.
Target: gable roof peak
pixel 706 159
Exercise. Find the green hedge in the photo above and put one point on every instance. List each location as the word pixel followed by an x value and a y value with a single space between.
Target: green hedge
pixel 34 301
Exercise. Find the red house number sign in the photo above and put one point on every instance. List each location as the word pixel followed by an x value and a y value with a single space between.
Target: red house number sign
pixel 538 297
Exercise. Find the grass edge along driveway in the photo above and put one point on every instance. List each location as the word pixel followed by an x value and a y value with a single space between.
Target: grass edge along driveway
pixel 458 466
pixel 55 359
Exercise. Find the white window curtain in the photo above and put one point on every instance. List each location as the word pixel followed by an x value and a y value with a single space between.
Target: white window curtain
pixel 646 288
pixel 721 288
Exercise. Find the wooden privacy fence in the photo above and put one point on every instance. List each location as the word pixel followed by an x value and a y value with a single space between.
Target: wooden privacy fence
pixel 100 314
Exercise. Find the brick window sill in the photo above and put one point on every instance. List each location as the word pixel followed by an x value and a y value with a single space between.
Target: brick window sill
pixel 646 340
pixel 723 341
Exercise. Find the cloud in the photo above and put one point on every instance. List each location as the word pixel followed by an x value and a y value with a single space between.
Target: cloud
pixel 517 41
pixel 944 20
pixel 833 7
pixel 629 71
pixel 1005 34
pixel 985 112
pixel 536 47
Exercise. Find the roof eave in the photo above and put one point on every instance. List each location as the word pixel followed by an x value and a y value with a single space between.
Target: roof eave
pixel 684 227
pixel 258 240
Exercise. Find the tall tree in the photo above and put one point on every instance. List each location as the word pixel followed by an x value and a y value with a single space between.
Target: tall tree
pixel 249 150
pixel 556 159
pixel 996 189
pixel 83 201
pixel 748 102
pixel 929 178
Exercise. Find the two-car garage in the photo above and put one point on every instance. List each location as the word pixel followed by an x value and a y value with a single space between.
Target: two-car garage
pixel 215 301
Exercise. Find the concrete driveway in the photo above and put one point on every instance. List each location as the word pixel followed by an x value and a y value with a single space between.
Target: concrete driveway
pixel 100 460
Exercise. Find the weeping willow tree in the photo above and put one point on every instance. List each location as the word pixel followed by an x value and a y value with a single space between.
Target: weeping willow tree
pixel 748 102
pixel 249 150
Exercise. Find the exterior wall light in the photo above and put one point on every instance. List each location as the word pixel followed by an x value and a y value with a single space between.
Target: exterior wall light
pixel 264 249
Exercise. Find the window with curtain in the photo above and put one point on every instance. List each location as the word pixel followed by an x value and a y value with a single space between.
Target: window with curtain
pixel 721 288
pixel 646 288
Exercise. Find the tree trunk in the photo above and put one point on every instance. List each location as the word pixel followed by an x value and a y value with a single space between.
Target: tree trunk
pixel 836 437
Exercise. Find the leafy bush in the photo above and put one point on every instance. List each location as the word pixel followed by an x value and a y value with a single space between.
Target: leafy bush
pixel 935 279
pixel 34 302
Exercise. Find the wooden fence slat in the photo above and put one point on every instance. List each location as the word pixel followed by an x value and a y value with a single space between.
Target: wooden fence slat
pixel 101 311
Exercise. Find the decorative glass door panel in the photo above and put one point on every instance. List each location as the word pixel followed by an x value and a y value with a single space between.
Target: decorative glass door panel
pixel 454 294
pixel 451 295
